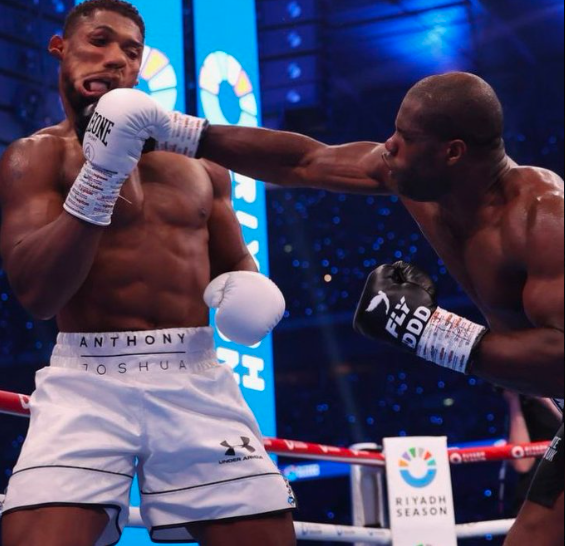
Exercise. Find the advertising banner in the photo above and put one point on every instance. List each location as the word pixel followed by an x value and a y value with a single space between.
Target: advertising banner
pixel 420 492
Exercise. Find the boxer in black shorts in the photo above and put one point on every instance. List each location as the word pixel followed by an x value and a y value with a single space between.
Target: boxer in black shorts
pixel 549 484
pixel 546 490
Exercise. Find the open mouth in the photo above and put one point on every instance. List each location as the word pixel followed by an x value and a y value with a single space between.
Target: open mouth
pixel 98 86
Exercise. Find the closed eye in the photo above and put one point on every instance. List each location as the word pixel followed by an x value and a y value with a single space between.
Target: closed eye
pixel 404 136
pixel 133 54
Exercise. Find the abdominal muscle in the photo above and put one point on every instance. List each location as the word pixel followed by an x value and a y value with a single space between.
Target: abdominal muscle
pixel 149 282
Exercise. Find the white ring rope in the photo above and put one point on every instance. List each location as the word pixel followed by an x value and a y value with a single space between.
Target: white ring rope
pixel 341 533
pixel 315 532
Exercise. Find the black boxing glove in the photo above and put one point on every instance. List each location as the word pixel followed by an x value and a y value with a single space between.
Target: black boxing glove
pixel 82 120
pixel 399 306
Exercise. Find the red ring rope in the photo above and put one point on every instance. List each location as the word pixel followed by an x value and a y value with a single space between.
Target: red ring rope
pixel 14 404
pixel 18 404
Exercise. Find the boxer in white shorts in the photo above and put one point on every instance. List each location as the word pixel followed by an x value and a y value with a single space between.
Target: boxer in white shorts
pixel 185 430
pixel 107 240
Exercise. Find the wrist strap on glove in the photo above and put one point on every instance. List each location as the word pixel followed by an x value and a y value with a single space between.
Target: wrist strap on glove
pixel 449 341
pixel 94 194
pixel 186 133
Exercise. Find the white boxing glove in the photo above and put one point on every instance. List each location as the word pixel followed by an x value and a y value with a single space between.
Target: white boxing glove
pixel 184 136
pixel 249 306
pixel 123 121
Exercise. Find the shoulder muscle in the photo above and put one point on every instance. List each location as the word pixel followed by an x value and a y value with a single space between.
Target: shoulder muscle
pixel 545 262
pixel 30 192
pixel 545 234
pixel 220 178
pixel 29 165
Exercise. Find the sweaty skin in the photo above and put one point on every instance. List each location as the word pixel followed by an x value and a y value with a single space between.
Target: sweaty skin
pixel 501 235
pixel 497 226
pixel 174 230
pixel 174 227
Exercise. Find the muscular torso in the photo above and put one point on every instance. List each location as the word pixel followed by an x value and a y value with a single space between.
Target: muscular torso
pixel 153 263
pixel 490 260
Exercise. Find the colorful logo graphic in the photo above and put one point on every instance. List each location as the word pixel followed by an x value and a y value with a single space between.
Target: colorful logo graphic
pixel 227 92
pixel 418 468
pixel 158 78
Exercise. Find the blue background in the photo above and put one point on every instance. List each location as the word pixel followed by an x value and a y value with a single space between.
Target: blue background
pixel 228 26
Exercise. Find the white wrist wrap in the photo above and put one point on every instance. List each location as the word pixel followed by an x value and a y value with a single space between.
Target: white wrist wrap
pixel 185 135
pixel 94 194
pixel 449 340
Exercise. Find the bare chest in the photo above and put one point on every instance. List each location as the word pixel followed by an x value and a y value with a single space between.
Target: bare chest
pixel 485 265
pixel 164 191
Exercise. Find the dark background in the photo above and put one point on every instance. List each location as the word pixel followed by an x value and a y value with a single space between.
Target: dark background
pixel 336 70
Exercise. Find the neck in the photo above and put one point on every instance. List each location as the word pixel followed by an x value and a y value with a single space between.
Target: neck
pixel 476 186
pixel 70 112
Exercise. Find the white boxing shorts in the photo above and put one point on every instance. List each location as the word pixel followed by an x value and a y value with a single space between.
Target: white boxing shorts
pixel 153 404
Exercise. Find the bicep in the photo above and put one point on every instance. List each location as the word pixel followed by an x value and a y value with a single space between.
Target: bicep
pixel 29 197
pixel 351 168
pixel 544 291
pixel 27 216
pixel 227 246
pixel 544 301
pixel 226 239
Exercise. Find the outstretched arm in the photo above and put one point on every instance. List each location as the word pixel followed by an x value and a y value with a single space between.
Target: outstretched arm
pixel 293 160
pixel 531 360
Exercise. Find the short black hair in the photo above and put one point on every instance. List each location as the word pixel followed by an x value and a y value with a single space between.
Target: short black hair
pixel 86 9
pixel 459 105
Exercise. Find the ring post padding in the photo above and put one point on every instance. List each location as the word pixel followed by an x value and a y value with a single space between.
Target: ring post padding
pixel 368 494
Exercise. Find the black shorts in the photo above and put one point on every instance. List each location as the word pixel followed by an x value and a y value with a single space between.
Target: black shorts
pixel 549 483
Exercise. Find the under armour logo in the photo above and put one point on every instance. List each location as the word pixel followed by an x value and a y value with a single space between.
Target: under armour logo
pixel 381 297
pixel 245 445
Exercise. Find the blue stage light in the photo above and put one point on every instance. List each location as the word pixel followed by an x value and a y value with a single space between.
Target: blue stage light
pixel 58 6
pixel 293 96
pixel 294 39
pixel 294 9
pixel 294 71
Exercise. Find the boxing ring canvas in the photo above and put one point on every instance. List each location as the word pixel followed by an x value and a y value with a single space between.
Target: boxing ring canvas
pixel 227 66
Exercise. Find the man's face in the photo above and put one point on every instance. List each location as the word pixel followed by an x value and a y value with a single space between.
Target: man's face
pixel 415 159
pixel 103 53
